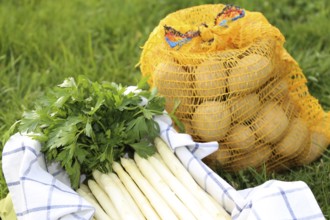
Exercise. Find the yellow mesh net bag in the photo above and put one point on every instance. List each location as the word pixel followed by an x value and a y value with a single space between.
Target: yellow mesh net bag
pixel 236 84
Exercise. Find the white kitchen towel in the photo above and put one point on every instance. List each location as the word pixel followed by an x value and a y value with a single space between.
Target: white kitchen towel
pixel 38 191
pixel 42 192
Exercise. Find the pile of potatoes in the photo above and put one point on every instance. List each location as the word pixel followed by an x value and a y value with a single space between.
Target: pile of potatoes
pixel 243 102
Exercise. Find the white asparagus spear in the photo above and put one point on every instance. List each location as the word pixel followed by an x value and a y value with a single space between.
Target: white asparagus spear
pixel 162 188
pixel 160 206
pixel 183 194
pixel 85 188
pixel 130 200
pixel 103 199
pixel 110 207
pixel 99 213
pixel 187 180
pixel 157 156
pixel 136 193
pixel 97 176
pixel 117 197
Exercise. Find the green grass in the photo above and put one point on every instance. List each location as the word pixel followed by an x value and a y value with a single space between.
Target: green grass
pixel 42 42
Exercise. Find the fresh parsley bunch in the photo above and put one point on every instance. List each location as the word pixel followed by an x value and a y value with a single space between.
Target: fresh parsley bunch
pixel 86 125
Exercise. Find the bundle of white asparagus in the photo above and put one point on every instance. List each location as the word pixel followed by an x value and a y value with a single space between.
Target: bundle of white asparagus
pixel 157 187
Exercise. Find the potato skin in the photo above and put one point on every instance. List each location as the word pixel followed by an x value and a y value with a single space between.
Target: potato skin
pixel 175 84
pixel 210 79
pixel 275 90
pixel 271 123
pixel 254 158
pixel 168 77
pixel 251 72
pixel 241 138
pixel 316 146
pixel 211 121
pixel 221 157
pixel 245 107
pixel 295 138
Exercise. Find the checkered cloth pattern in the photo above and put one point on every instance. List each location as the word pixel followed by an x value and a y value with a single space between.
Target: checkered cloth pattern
pixel 41 191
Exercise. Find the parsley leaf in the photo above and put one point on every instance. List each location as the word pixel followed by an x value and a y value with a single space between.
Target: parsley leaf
pixel 87 125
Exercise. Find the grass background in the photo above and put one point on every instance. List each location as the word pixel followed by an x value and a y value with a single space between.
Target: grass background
pixel 44 41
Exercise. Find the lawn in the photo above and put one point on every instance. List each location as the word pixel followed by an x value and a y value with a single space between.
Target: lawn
pixel 43 42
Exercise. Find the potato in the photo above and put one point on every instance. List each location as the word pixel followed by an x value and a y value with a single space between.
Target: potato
pixel 278 163
pixel 220 157
pixel 314 149
pixel 241 138
pixel 271 123
pixel 243 108
pixel 210 79
pixel 318 143
pixel 294 139
pixel 185 107
pixel 254 158
pixel 211 120
pixel 249 74
pixel 223 155
pixel 175 84
pixel 276 90
pixel 170 77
